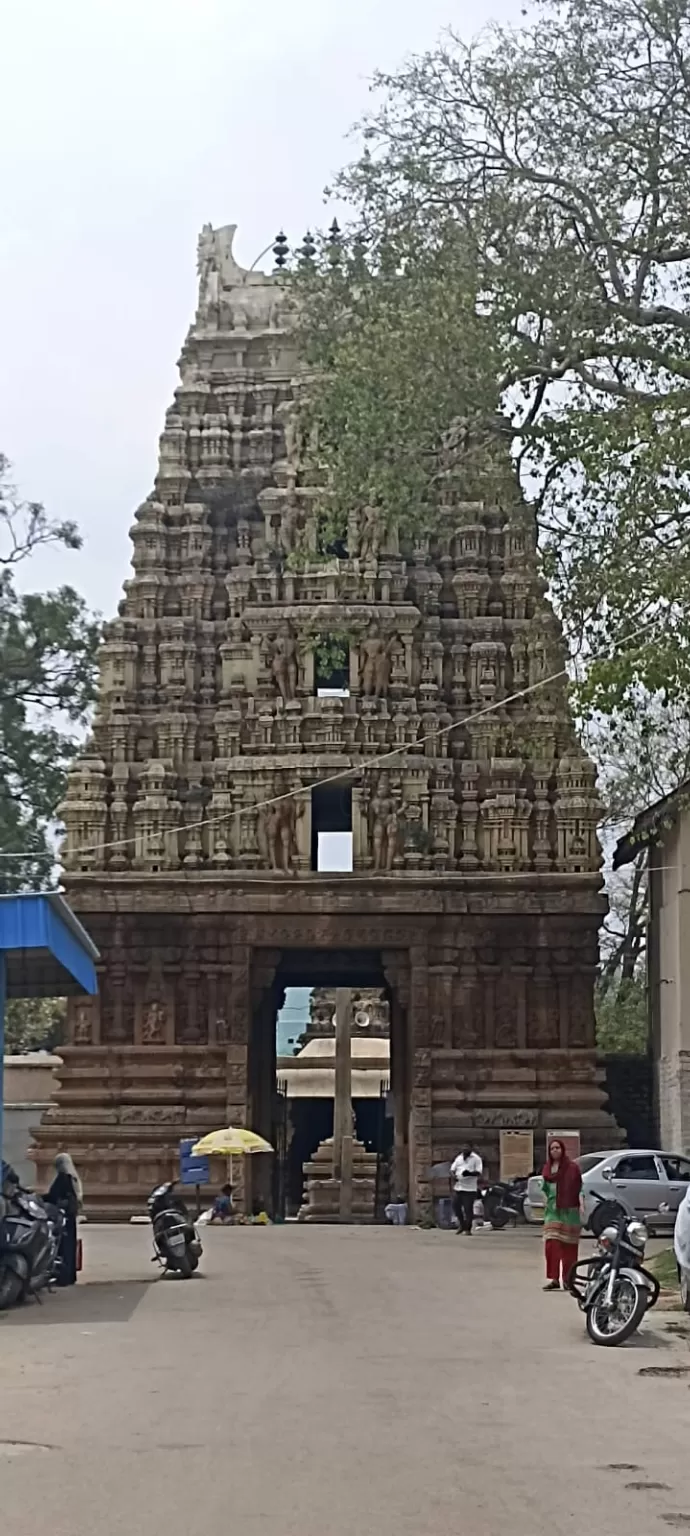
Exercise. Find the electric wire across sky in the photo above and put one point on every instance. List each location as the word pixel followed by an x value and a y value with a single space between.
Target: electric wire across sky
pixel 353 771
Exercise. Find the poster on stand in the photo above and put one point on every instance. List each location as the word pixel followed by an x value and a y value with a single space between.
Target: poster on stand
pixel 517 1154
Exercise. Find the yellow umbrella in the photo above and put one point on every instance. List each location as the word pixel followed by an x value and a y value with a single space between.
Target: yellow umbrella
pixel 233 1141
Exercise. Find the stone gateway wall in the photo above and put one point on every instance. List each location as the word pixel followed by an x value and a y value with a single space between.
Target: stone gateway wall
pixel 191 815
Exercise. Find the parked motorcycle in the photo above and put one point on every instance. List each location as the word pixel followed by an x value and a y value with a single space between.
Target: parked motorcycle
pixel 613 1288
pixel 30 1235
pixel 176 1241
pixel 504 1202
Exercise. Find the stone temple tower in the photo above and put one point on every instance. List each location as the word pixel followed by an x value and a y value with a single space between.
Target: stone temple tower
pixel 244 669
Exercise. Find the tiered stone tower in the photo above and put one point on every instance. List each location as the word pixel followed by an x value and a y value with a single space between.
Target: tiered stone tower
pixel 370 1015
pixel 475 893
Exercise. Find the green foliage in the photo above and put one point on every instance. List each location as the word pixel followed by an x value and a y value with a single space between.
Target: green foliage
pixel 331 652
pixel 47 683
pixel 519 235
pixel 665 1266
pixel 381 341
pixel 34 1024
pixel 621 1015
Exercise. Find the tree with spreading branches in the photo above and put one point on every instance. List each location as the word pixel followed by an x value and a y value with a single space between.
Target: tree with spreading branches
pixel 641 759
pixel 516 272
pixel 47 683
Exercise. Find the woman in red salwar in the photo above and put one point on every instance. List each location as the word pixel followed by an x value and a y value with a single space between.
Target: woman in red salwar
pixel 562 1184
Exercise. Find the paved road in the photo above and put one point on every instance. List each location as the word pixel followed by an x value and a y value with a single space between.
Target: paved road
pixel 332 1382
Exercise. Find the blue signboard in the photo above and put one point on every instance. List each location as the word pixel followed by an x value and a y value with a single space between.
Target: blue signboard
pixel 193 1170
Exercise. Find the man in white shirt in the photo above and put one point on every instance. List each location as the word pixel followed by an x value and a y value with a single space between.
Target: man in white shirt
pixel 465 1174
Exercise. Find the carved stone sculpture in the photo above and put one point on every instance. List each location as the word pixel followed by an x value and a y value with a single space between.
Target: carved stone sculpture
pixel 384 826
pixel 284 664
pixel 208 267
pixel 278 831
pixel 153 1025
pixel 370 534
pixel 375 665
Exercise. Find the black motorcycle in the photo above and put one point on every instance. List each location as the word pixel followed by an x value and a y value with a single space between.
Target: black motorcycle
pixel 613 1288
pixel 504 1202
pixel 29 1244
pixel 175 1238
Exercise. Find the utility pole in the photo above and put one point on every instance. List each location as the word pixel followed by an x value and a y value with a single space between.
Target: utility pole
pixel 342 1107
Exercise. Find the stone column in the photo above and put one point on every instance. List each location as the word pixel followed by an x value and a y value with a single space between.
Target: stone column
pixel 342 1107
pixel 399 1090
pixel 235 1028
pixel 420 1105
pixel 360 830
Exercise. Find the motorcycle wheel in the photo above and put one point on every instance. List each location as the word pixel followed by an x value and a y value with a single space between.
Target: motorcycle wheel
pixel 10 1289
pixel 609 1328
pixel 186 1265
pixel 499 1220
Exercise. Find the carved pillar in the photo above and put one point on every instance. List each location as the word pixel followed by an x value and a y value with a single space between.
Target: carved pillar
pixel 442 979
pixel 397 976
pixel 115 1015
pixel 303 833
pixel 420 1100
pixel 260 1065
pixel 543 1029
pixel 233 1029
pixel 489 971
pixel 360 831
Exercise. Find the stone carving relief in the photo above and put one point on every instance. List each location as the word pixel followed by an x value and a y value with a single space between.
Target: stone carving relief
pixel 384 826
pixel 370 534
pixel 285 664
pixel 375 664
pixel 278 831
pixel 154 1023
pixel 83 1024
pixel 208 267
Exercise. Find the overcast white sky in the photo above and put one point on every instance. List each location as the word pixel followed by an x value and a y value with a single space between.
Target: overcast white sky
pixel 124 126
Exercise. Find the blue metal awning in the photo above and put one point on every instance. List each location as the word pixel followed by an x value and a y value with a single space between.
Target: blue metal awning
pixel 46 951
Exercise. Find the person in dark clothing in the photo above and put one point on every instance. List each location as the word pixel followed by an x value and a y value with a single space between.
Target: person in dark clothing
pixel 66 1193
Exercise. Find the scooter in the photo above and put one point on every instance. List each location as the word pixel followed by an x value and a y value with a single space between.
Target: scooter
pixel 504 1202
pixel 176 1242
pixel 29 1243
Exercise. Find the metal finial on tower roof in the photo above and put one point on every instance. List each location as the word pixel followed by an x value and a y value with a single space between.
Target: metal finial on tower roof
pixel 281 250
pixel 359 246
pixel 307 250
pixel 335 231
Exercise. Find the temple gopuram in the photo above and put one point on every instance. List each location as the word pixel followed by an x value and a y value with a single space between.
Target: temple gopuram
pixel 251 690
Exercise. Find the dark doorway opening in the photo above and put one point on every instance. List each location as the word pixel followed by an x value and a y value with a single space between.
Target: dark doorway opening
pixel 292 1067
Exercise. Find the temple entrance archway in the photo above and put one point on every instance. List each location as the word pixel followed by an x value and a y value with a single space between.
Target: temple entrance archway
pixel 291 1099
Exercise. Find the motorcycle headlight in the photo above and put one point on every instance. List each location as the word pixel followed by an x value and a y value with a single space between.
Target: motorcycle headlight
pixel 637 1234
